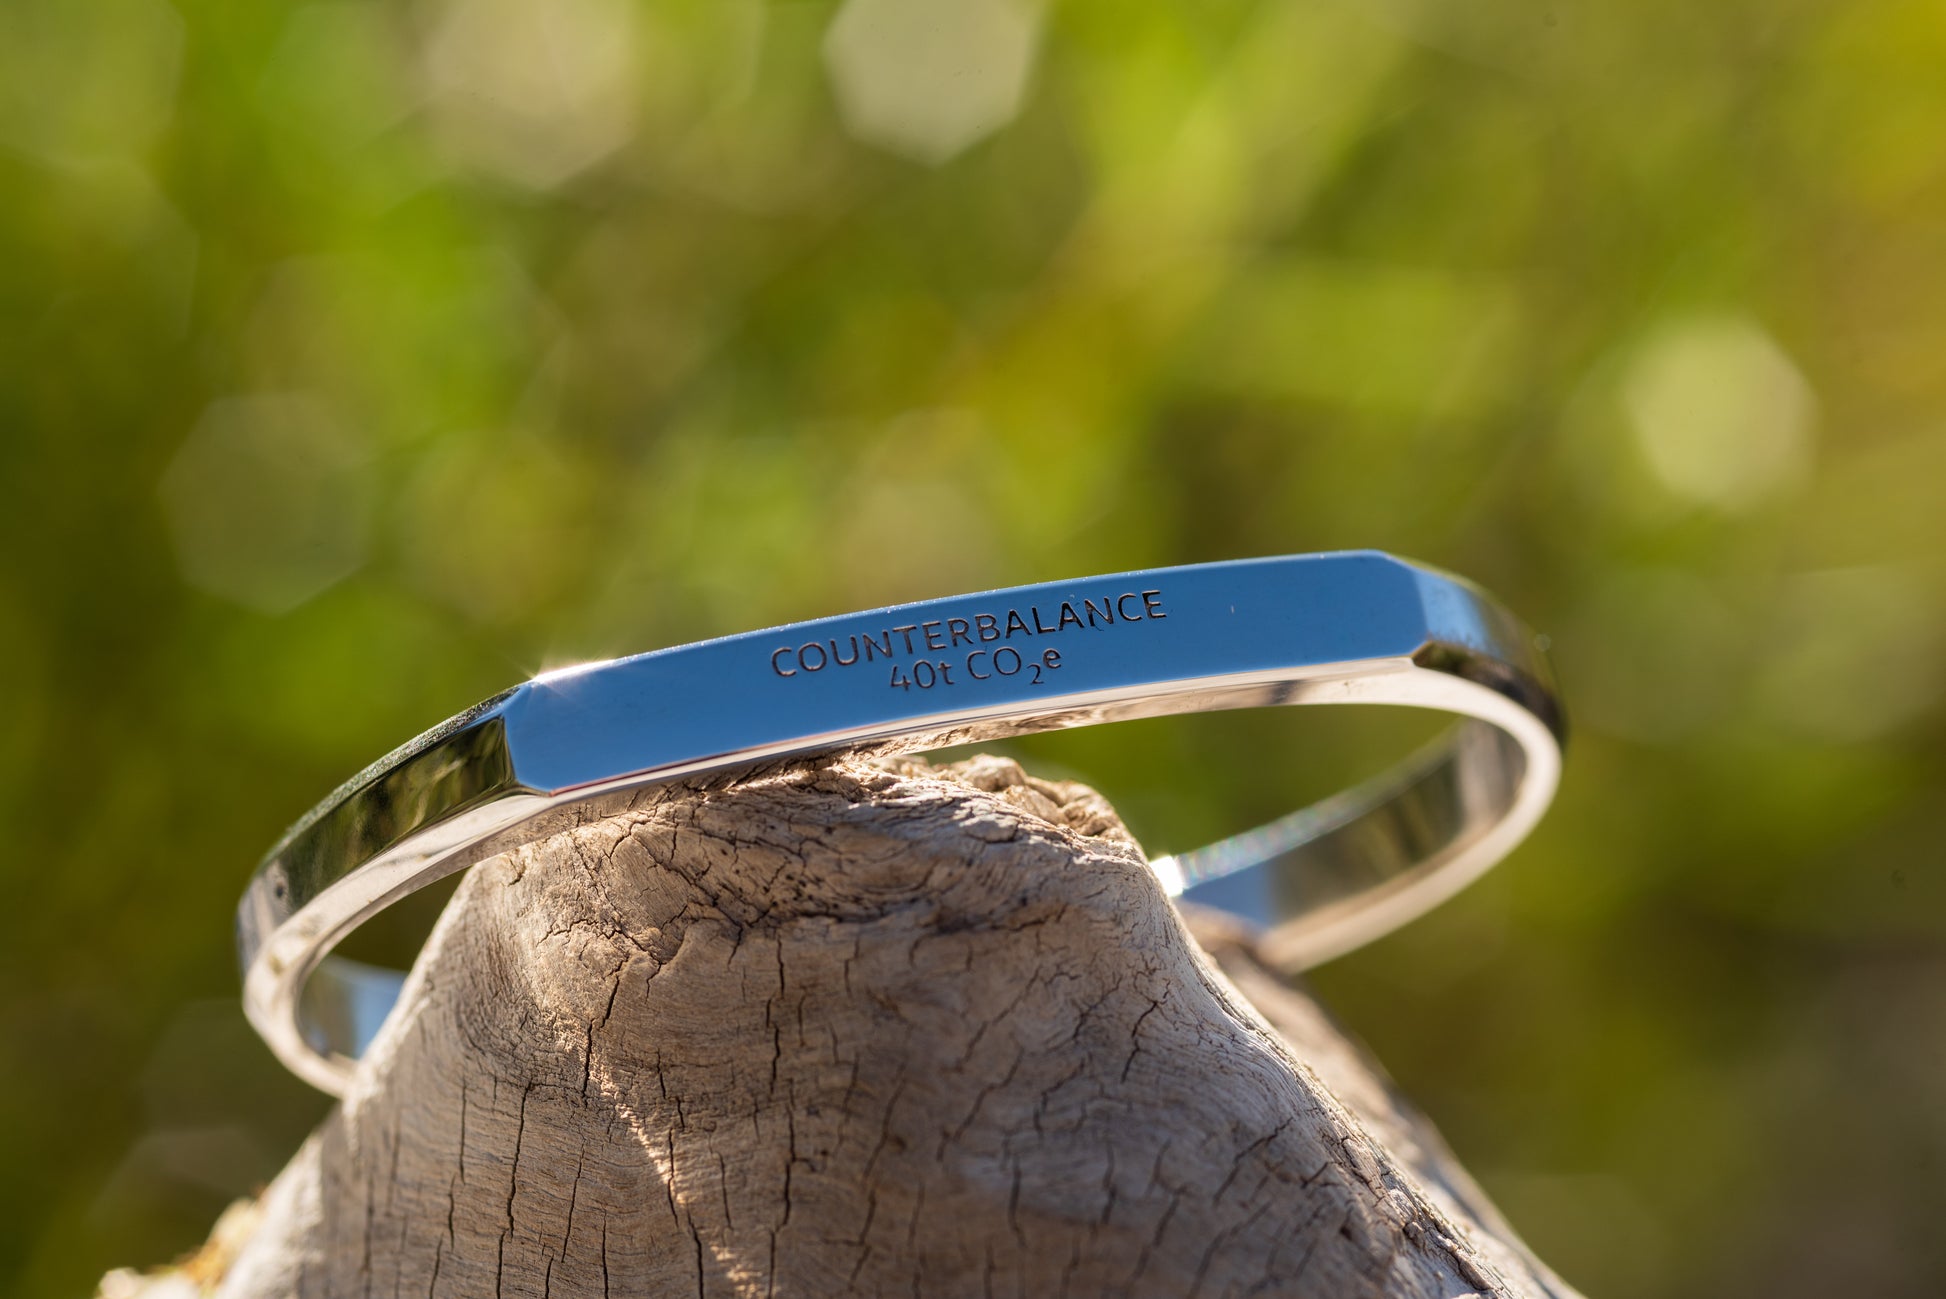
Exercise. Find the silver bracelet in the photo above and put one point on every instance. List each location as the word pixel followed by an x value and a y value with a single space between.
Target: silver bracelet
pixel 1355 627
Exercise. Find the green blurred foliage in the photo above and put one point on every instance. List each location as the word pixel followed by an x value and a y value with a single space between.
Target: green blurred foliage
pixel 360 359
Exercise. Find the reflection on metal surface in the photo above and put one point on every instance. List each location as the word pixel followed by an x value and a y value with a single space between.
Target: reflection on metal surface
pixel 1342 628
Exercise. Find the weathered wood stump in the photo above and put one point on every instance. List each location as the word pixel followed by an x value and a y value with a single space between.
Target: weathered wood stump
pixel 863 1028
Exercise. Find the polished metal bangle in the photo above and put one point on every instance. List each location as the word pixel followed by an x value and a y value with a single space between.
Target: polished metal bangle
pixel 1355 627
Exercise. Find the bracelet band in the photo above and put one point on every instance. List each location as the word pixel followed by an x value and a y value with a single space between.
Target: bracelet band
pixel 1355 627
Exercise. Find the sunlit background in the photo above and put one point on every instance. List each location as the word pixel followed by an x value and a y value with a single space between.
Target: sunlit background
pixel 363 358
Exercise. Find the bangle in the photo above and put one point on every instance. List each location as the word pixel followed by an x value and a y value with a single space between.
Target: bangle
pixel 1354 627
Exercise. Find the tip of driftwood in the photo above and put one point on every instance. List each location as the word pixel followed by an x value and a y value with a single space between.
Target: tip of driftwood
pixel 863 1027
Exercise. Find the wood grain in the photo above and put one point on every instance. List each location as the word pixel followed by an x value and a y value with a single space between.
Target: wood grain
pixel 863 1028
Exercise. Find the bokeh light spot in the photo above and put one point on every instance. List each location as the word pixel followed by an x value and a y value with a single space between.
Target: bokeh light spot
pixel 928 78
pixel 532 91
pixel 1720 412
pixel 267 502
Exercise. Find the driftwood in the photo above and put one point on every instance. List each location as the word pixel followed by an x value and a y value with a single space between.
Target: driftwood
pixel 862 1028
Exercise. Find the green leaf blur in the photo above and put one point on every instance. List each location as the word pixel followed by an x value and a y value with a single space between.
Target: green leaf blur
pixel 359 359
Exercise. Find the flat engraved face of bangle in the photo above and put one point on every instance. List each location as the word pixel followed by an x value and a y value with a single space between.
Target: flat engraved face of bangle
pixel 1348 627
pixel 908 669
